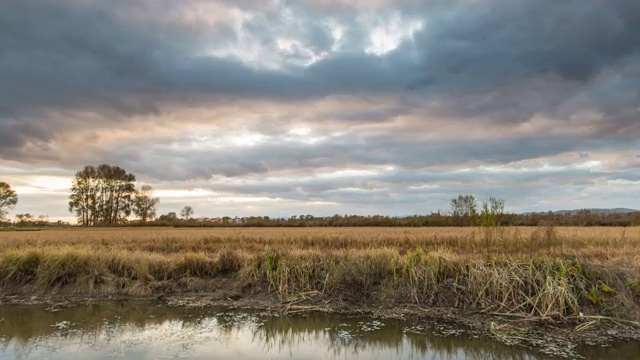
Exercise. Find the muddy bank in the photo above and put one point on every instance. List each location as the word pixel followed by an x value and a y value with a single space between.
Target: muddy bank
pixel 134 330
pixel 559 337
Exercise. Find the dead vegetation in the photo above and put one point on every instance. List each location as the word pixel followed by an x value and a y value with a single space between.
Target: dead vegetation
pixel 541 273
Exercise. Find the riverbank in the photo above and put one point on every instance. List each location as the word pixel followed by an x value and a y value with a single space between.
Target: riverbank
pixel 558 339
pixel 567 278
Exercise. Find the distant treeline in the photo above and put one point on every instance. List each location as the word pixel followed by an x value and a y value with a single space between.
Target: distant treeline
pixel 582 218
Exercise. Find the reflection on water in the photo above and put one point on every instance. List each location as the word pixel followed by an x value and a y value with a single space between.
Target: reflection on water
pixel 153 331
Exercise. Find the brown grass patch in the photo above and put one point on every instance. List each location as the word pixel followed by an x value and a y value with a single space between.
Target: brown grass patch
pixel 544 272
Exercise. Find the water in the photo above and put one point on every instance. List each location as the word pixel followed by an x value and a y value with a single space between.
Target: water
pixel 120 330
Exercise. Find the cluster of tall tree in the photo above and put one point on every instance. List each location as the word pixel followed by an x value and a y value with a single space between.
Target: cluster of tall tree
pixel 106 195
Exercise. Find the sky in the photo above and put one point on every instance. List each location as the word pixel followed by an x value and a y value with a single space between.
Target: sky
pixel 324 107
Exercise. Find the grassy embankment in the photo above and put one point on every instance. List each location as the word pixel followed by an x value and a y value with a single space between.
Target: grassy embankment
pixel 537 272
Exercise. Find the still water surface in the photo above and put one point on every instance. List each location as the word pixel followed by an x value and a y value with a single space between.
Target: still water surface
pixel 154 331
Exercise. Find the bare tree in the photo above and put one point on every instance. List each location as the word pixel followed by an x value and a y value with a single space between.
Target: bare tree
pixel 144 204
pixel 186 212
pixel 8 199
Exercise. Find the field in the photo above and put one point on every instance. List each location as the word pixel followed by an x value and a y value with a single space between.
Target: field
pixel 545 272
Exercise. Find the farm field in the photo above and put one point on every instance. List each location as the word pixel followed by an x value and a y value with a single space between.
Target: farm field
pixel 542 272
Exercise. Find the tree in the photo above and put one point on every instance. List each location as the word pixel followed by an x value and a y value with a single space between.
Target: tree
pixel 102 195
pixel 584 217
pixel 25 219
pixel 169 217
pixel 43 220
pixel 465 206
pixel 492 212
pixel 186 212
pixel 8 199
pixel 144 204
pixel 490 221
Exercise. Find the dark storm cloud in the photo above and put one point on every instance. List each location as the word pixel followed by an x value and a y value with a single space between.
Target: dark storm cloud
pixel 495 41
pixel 68 66
pixel 90 54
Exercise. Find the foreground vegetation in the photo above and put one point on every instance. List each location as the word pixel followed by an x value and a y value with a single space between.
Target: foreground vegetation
pixel 541 272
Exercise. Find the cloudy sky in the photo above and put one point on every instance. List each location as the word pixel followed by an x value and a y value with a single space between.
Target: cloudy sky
pixel 324 106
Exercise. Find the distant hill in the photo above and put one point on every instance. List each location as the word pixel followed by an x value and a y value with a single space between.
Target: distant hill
pixel 593 211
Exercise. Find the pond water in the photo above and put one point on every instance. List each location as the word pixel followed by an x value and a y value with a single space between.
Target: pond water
pixel 132 330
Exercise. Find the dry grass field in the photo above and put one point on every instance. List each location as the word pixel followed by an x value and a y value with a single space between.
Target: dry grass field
pixel 539 272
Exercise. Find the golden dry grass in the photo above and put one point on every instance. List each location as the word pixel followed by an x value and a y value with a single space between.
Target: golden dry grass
pixel 606 246
pixel 543 272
